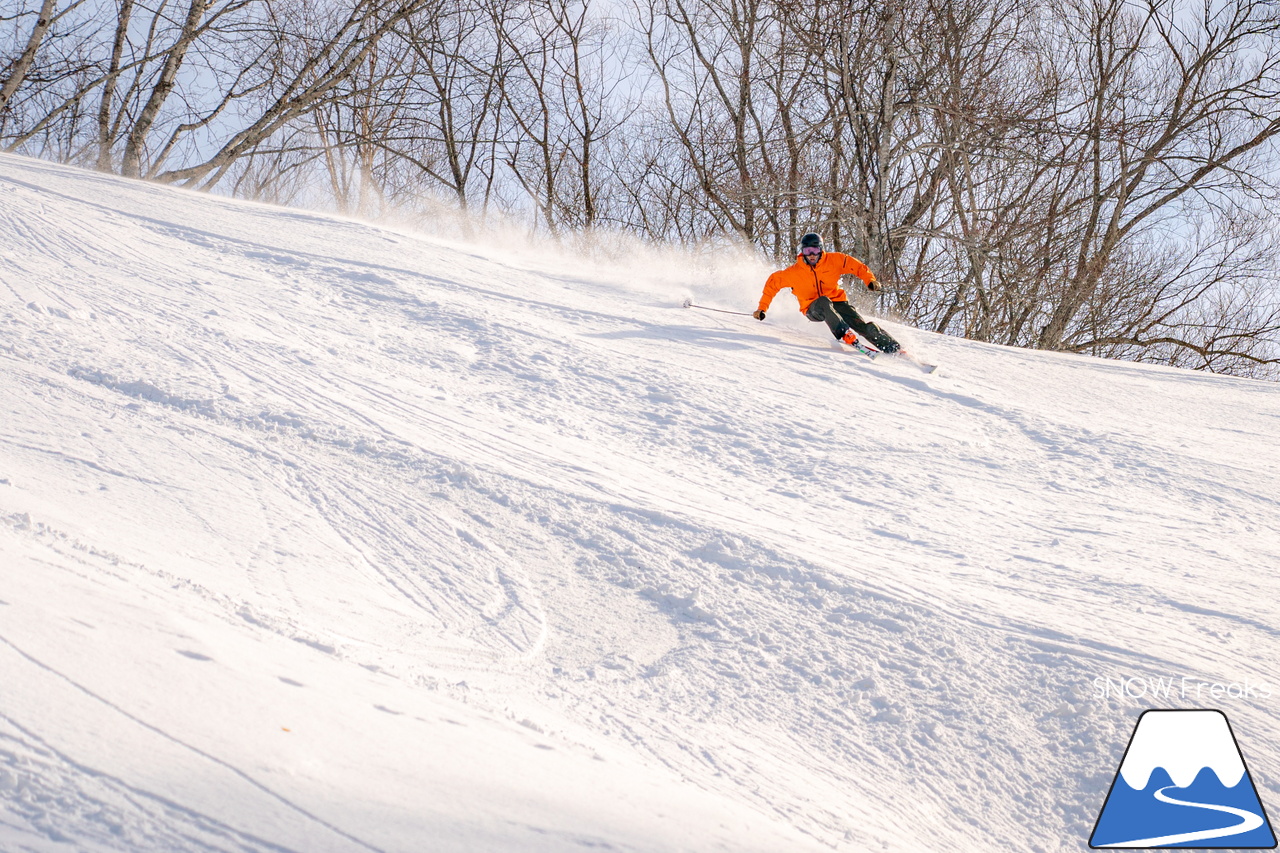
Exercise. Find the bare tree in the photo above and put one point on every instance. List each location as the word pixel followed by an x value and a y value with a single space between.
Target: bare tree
pixel 107 131
pixel 1170 121
pixel 17 70
pixel 131 166
pixel 311 61
pixel 451 134
pixel 557 101
pixel 50 70
pixel 704 54
pixel 1092 177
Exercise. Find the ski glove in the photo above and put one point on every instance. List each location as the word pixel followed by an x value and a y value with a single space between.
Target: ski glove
pixel 759 315
pixel 873 286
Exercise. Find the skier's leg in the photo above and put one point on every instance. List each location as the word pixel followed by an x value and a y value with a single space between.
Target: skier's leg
pixel 820 311
pixel 870 331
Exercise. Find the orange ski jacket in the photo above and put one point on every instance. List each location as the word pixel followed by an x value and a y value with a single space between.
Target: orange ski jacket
pixel 821 279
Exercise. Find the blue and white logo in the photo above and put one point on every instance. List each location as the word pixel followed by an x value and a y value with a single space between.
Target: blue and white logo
pixel 1183 783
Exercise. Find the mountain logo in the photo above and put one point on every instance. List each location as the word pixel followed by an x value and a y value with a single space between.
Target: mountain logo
pixel 1182 783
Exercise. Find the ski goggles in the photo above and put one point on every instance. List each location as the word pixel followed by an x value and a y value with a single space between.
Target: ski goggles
pixel 811 251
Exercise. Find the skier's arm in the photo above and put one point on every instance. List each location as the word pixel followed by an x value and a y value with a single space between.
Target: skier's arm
pixel 853 266
pixel 771 288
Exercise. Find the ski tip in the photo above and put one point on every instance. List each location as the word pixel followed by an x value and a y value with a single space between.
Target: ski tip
pixel 924 366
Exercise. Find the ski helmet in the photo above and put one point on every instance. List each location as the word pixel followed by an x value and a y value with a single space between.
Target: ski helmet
pixel 811 241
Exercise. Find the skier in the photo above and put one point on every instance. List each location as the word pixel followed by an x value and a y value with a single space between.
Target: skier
pixel 815 280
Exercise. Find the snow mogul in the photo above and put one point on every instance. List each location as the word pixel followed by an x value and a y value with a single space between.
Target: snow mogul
pixel 815 280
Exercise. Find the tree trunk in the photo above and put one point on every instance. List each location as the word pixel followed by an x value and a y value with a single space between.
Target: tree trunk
pixel 23 63
pixel 131 166
pixel 105 135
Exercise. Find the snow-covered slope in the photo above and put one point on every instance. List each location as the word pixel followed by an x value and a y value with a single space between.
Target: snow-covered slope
pixel 323 536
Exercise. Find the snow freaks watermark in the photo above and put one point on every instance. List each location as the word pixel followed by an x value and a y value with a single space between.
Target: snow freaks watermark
pixel 1154 687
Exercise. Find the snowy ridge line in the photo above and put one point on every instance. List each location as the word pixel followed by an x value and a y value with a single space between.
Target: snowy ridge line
pixel 235 771
pixel 253 249
pixel 223 411
pixel 35 777
pixel 87 463
pixel 233 610
pixel 145 391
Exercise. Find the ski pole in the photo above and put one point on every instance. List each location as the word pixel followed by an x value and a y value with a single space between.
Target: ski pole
pixel 688 303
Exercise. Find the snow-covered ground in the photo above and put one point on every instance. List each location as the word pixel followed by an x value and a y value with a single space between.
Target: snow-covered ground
pixel 317 535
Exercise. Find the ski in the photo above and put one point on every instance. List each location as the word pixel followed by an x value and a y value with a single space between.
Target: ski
pixel 870 350
pixel 870 353
pixel 865 347
pixel 924 366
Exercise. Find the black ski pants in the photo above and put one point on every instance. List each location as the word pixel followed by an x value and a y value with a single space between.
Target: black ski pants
pixel 841 317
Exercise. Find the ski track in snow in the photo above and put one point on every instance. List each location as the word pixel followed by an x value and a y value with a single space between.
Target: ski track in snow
pixel 863 605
